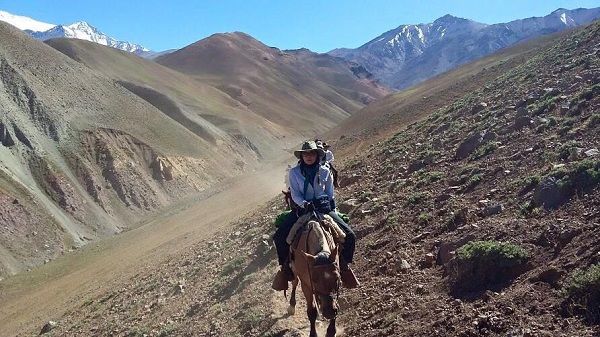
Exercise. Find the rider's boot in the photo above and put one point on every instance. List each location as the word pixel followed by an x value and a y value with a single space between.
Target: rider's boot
pixel 349 280
pixel 283 276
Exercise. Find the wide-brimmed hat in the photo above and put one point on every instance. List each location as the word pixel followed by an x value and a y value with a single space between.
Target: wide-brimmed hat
pixel 309 146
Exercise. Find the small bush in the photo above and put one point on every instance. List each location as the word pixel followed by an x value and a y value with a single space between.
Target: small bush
pixel 474 181
pixel 565 150
pixel 583 294
pixel 424 218
pixel 590 92
pixel 581 178
pixel 528 184
pixel 481 265
pixel 416 198
pixel 426 178
pixel 485 150
pixel 593 122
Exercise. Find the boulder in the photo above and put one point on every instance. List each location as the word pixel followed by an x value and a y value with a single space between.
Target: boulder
pixel 548 194
pixel 415 166
pixel 478 107
pixel 521 122
pixel 5 138
pixel 161 170
pixel 469 145
pixel 403 265
pixel 592 152
pixel 446 252
pixel 550 275
pixel 428 260
pixel 48 327
pixel 348 205
pixel 350 180
pixel 490 210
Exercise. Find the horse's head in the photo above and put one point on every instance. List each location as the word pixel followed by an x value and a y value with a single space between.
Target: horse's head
pixel 326 281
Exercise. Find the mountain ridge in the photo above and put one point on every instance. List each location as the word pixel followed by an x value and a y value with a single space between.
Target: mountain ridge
pixel 399 59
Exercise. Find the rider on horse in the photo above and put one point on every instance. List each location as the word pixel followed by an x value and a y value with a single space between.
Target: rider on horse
pixel 310 185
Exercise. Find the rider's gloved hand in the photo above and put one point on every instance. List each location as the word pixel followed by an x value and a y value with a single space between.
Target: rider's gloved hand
pixel 308 206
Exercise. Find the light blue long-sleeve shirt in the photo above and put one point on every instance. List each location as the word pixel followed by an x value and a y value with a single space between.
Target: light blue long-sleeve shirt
pixel 323 185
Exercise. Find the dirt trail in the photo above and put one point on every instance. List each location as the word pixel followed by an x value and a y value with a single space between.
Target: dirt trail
pixel 47 292
pixel 297 325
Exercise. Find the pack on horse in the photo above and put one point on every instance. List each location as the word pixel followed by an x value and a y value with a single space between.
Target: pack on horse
pixel 314 242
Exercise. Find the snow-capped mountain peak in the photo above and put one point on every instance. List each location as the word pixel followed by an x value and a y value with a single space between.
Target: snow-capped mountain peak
pixel 25 23
pixel 78 30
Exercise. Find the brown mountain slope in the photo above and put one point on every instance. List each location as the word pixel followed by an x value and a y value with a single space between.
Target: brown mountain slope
pixel 516 161
pixel 204 110
pixel 82 157
pixel 298 88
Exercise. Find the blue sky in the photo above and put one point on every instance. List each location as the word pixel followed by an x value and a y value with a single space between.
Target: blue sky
pixel 286 24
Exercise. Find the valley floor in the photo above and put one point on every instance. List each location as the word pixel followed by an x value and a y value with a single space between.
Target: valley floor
pixel 46 293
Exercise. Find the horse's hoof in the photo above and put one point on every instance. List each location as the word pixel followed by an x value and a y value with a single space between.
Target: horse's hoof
pixel 291 310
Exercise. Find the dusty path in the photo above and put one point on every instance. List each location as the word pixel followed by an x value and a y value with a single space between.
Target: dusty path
pixel 29 299
pixel 297 324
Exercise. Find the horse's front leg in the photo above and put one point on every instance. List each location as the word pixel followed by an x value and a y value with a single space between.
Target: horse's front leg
pixel 292 308
pixel 331 328
pixel 311 309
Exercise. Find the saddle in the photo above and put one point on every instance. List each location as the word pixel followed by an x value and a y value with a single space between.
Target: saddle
pixel 334 234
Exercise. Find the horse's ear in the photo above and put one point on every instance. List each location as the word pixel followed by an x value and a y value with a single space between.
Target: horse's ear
pixel 333 254
pixel 309 258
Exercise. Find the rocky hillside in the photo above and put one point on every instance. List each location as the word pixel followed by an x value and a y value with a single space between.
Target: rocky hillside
pixel 511 169
pixel 515 161
pixel 410 54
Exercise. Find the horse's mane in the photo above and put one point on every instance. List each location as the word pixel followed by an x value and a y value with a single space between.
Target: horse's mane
pixel 322 258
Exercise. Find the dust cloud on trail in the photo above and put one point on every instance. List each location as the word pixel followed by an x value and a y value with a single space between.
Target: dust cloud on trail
pixel 48 291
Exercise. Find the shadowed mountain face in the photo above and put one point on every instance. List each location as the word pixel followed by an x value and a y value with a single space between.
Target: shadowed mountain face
pixel 297 87
pixel 410 54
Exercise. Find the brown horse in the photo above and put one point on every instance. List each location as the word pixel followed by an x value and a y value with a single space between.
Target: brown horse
pixel 316 266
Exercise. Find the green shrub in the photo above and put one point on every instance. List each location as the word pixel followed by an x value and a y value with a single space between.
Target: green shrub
pixel 593 121
pixel 424 218
pixel 583 294
pixel 481 265
pixel 529 183
pixel 485 150
pixel 565 150
pixel 166 330
pixel 426 178
pixel 582 177
pixel 494 252
pixel 416 198
pixel 590 92
pixel 475 180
